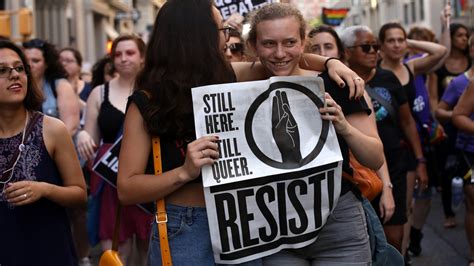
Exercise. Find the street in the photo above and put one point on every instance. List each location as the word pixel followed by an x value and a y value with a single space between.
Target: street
pixel 443 247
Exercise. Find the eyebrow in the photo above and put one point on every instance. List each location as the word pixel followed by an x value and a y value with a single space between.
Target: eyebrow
pixel 13 63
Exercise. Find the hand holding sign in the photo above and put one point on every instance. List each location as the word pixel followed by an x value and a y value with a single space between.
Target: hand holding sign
pixel 200 152
pixel 284 129
pixel 333 112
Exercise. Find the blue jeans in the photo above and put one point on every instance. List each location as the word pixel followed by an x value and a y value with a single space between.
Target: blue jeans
pixel 383 254
pixel 189 238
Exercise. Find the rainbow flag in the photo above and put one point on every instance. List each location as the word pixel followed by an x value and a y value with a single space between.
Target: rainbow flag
pixel 334 16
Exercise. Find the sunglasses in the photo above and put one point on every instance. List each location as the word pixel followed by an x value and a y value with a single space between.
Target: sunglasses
pixel 366 47
pixel 235 48
pixel 35 43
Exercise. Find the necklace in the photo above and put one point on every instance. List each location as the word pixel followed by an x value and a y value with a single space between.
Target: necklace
pixel 21 147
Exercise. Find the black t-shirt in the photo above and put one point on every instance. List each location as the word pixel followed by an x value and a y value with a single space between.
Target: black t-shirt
pixel 173 151
pixel 341 97
pixel 387 85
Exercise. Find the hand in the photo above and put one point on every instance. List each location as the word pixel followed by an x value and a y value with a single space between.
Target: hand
pixel 24 192
pixel 85 145
pixel 422 176
pixel 340 73
pixel 235 21
pixel 446 14
pixel 285 130
pixel 333 112
pixel 203 151
pixel 387 204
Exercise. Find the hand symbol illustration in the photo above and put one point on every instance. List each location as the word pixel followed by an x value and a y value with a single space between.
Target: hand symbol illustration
pixel 285 130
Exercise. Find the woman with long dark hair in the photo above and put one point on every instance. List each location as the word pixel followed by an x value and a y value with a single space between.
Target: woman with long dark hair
pixel 40 172
pixel 185 50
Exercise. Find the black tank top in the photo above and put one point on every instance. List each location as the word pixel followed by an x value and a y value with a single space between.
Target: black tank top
pixel 410 88
pixel 445 77
pixel 110 118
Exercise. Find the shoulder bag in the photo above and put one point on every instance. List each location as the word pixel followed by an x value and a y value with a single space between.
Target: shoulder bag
pixel 161 216
pixel 365 178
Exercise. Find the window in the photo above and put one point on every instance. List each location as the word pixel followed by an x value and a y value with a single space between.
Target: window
pixel 405 14
pixel 422 9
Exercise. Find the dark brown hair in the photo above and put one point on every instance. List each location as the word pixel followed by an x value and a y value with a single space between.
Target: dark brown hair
pixel 389 26
pixel 54 68
pixel 77 55
pixel 328 29
pixel 183 52
pixel 128 37
pixel 34 96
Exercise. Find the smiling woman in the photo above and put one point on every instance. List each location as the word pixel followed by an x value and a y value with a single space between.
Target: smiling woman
pixel 278 37
pixel 40 172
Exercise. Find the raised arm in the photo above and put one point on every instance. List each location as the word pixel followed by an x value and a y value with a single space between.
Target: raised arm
pixel 434 54
pixel 338 72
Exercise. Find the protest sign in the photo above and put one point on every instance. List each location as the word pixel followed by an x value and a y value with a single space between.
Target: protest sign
pixel 228 7
pixel 278 175
pixel 107 168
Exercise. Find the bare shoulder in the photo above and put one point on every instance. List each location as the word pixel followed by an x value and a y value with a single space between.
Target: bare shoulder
pixel 54 129
pixel 95 95
pixel 247 71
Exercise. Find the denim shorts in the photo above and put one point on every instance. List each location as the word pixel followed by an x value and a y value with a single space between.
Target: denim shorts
pixel 188 236
pixel 343 240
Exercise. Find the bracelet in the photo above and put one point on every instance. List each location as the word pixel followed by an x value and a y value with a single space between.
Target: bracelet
pixel 327 60
pixel 421 160
pixel 389 185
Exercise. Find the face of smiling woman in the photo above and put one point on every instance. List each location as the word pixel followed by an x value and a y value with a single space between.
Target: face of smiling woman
pixel 279 45
pixel 13 83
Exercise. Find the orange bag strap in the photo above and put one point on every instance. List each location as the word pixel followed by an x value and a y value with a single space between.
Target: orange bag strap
pixel 161 216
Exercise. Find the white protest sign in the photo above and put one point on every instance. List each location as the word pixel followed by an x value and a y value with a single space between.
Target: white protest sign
pixel 279 172
pixel 243 7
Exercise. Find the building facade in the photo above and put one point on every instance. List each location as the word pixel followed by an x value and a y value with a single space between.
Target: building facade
pixel 87 25
pixel 375 13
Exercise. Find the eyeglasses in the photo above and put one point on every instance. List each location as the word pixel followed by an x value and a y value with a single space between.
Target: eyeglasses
pixel 35 43
pixel 5 72
pixel 366 47
pixel 235 48
pixel 226 31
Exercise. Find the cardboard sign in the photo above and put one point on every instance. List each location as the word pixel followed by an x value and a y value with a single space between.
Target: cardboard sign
pixel 279 172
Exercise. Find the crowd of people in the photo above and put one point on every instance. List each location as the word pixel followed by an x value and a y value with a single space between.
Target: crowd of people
pixel 401 103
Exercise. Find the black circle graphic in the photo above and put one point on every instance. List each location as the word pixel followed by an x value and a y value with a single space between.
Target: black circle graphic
pixel 249 121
